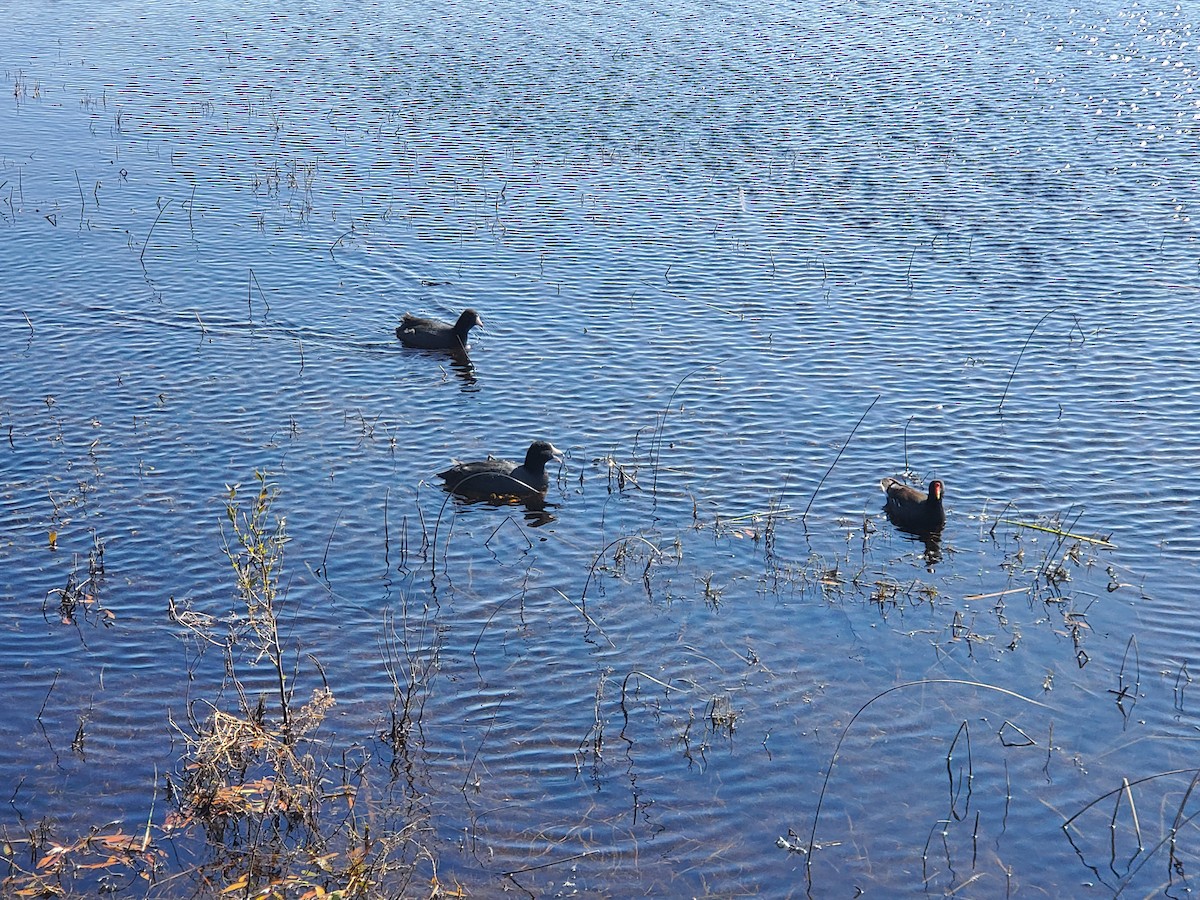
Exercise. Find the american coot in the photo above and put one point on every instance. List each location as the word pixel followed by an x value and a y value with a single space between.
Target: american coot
pixel 500 478
pixel 432 334
pixel 912 510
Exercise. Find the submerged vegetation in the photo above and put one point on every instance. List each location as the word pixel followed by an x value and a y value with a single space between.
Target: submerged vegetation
pixel 266 799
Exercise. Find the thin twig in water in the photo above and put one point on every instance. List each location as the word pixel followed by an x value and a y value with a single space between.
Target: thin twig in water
pixel 486 735
pixel 1137 827
pixel 323 569
pixel 906 424
pixel 339 240
pixel 162 210
pixel 752 516
pixel 41 724
pixel 557 862
pixel 993 594
pixel 53 684
pixel 1169 838
pixel 656 444
pixel 600 556
pixel 586 617
pixel 812 839
pixel 992 530
pixel 804 516
pixel 150 817
pixel 252 283
pixel 1172 832
pixel 641 674
pixel 492 615
pixel 387 543
pixel 1000 406
pixel 1124 689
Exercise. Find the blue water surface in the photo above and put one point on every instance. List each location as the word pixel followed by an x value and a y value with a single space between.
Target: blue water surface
pixel 739 261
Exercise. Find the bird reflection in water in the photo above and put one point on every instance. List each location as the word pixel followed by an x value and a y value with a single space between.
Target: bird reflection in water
pixel 933 547
pixel 463 368
pixel 537 511
pixel 443 339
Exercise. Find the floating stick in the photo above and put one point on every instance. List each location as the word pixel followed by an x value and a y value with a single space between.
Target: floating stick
pixel 1103 542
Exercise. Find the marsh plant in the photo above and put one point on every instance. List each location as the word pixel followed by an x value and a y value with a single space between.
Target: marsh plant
pixel 261 805
pixel 281 811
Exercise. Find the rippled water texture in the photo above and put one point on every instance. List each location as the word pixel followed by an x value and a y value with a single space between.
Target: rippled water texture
pixel 705 240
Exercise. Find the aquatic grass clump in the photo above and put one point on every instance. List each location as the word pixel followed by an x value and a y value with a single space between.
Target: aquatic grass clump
pixel 256 563
pixel 80 595
pixel 242 772
pixel 282 812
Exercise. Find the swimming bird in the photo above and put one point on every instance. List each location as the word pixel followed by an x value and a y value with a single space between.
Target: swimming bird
pixel 500 478
pixel 433 334
pixel 912 510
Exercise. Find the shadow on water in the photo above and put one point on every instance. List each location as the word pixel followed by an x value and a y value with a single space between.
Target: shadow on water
pixel 463 368
pixel 460 364
pixel 537 510
pixel 930 541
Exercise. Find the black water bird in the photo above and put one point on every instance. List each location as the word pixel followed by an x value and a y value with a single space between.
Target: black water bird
pixel 500 479
pixel 912 510
pixel 434 334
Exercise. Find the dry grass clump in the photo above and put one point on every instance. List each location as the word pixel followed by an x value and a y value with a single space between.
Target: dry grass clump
pixel 282 812
pixel 261 804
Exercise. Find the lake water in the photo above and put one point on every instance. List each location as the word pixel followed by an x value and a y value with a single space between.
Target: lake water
pixel 705 240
